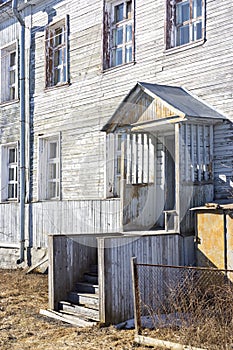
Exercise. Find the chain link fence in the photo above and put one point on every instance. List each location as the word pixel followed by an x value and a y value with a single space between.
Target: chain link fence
pixel 184 304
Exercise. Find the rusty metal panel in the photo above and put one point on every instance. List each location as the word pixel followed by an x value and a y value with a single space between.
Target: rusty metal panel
pixel 229 221
pixel 210 229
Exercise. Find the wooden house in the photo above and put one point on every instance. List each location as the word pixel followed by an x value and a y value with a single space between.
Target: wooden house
pixel 116 119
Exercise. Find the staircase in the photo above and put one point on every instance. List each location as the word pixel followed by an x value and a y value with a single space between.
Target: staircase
pixel 83 302
pixel 82 305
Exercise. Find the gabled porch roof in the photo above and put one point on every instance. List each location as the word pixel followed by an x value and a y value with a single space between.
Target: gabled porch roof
pixel 156 104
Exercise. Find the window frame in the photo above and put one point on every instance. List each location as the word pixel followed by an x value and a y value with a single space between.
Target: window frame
pixel 6 165
pixel 172 27
pixel 51 66
pixel 45 164
pixel 111 27
pixel 6 51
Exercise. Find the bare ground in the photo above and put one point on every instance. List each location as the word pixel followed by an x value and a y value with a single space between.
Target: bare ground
pixel 22 327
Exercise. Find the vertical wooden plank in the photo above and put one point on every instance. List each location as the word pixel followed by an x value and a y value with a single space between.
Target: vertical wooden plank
pixel 136 296
pixel 192 153
pixel 177 177
pixel 51 275
pixel 109 164
pixel 151 161
pixel 145 178
pixel 140 158
pixel 101 278
pixel 134 159
pixel 205 152
pixel 186 141
pixel 129 159
pixel 199 165
pixel 123 178
pixel 211 151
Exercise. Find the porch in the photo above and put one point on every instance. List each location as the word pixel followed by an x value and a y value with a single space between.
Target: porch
pixel 108 299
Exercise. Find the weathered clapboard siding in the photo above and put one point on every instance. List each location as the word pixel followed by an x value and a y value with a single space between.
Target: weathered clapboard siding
pixel 115 282
pixel 140 207
pixel 82 108
pixel 223 161
pixel 9 223
pixel 72 217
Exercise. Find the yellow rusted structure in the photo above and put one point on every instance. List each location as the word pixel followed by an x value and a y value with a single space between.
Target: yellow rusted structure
pixel 214 236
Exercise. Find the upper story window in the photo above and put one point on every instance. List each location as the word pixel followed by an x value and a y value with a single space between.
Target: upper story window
pixel 185 22
pixel 49 167
pixel 9 172
pixel 118 33
pixel 56 48
pixel 9 73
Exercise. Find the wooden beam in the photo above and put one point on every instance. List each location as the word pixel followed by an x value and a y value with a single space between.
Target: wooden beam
pixel 163 344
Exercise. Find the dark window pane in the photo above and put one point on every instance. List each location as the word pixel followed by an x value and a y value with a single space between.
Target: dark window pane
pixel 52 189
pixel 11 191
pixel 182 12
pixel 52 171
pixel 119 13
pixel 128 54
pixel 11 174
pixel 53 150
pixel 12 155
pixel 198 30
pixel 129 9
pixel 58 37
pixel 12 59
pixel 12 93
pixel 118 36
pixel 183 35
pixel 128 33
pixel 197 8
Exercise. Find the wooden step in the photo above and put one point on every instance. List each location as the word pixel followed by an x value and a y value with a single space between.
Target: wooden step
pixel 90 277
pixel 94 269
pixel 89 300
pixel 68 318
pixel 84 287
pixel 77 310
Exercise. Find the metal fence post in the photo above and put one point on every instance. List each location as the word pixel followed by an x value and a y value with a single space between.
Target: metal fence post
pixel 136 296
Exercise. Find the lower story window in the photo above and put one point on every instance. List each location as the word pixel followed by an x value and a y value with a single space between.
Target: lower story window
pixel 12 179
pixel 49 167
pixel 9 172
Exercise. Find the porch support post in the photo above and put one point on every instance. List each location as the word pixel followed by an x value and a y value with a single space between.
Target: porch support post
pixel 123 178
pixel 177 177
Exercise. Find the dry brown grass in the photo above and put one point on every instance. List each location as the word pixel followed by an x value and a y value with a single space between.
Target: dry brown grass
pixel 196 310
pixel 23 328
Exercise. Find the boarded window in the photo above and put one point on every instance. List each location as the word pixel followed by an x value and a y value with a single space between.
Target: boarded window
pixel 139 160
pixel 56 49
pixel 185 22
pixel 9 73
pixel 49 167
pixel 118 33
pixel 197 146
pixel 9 172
